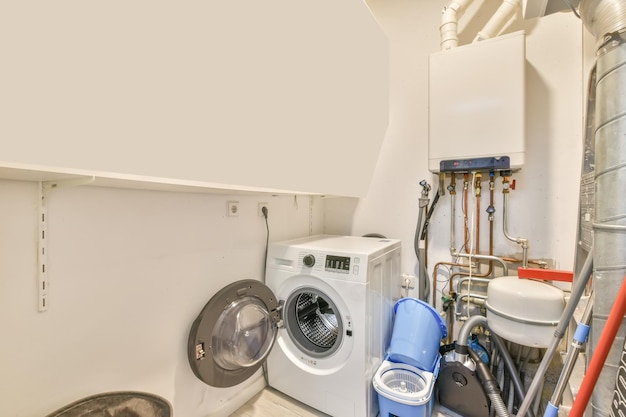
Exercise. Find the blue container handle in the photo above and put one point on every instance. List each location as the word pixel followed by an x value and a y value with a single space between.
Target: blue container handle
pixel 442 324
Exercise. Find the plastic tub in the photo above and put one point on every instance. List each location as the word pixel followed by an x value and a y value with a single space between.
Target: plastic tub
pixel 417 332
pixel 403 390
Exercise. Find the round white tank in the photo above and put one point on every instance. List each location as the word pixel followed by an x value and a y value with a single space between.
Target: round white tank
pixel 524 311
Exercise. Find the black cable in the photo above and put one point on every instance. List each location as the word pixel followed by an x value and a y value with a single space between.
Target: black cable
pixel 267 241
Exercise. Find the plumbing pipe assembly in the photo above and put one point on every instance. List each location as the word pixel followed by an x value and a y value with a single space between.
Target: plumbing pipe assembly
pixel 469 271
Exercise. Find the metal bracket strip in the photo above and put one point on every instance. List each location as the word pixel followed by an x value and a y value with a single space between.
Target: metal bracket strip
pixel 43 283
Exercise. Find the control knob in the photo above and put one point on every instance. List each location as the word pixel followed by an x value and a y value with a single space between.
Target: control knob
pixel 309 260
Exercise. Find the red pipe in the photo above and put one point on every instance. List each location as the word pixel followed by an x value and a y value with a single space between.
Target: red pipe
pixel 602 350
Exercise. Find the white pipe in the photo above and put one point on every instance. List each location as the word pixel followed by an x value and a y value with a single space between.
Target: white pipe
pixel 505 12
pixel 449 23
pixel 519 240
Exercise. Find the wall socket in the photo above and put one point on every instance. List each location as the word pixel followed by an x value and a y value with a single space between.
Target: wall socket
pixel 232 209
pixel 260 209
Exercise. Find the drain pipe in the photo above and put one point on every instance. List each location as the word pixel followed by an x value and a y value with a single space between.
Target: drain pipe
pixel 505 214
pixel 507 10
pixel 449 23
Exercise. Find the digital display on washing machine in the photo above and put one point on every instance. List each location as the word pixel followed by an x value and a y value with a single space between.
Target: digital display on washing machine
pixel 338 263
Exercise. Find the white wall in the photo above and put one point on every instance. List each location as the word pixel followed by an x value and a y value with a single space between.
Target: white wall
pixel 544 206
pixel 129 271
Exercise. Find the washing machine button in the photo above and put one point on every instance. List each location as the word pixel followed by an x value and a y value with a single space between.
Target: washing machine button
pixel 309 260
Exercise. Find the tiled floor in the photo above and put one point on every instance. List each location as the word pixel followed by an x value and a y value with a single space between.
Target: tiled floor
pixel 271 403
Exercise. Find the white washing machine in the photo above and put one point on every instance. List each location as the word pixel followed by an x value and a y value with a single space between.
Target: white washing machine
pixel 323 321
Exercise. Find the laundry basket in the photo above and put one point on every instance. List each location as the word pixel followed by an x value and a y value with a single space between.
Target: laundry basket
pixel 117 404
pixel 403 390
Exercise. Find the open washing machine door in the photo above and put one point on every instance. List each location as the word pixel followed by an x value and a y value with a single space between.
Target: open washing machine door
pixel 233 334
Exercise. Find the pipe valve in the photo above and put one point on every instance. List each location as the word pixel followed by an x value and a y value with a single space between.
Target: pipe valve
pixel 425 188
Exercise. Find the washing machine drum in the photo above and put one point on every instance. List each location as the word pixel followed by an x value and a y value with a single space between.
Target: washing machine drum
pixel 313 322
pixel 233 334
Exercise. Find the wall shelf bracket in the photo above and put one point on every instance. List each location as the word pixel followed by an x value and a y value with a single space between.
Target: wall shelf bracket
pixel 42 249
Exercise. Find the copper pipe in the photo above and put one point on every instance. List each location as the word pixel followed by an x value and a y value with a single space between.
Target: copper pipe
pixel 491 201
pixel 435 269
pixel 452 190
pixel 467 274
pixel 450 316
pixel 477 192
pixel 465 229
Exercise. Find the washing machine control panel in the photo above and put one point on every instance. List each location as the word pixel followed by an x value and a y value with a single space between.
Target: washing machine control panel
pixel 336 263
pixel 320 262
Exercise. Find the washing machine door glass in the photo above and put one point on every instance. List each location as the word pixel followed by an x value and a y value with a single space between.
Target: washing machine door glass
pixel 243 334
pixel 313 322
pixel 233 334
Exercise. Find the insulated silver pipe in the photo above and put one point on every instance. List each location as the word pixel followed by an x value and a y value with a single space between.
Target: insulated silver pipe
pixel 602 17
pixel 610 225
pixel 606 19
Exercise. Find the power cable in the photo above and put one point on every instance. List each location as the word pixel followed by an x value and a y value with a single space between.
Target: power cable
pixel 267 241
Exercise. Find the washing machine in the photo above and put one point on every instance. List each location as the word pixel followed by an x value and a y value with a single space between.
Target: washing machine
pixel 322 322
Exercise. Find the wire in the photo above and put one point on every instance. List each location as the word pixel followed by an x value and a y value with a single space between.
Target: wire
pixel 267 242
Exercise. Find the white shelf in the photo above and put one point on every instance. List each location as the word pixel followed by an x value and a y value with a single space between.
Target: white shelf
pixel 15 172
pixel 219 96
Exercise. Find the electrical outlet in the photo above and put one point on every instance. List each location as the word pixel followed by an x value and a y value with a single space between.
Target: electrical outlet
pixel 408 281
pixel 260 210
pixel 232 209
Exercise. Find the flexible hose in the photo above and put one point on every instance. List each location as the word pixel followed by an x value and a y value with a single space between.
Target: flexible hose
pixel 429 214
pixel 577 291
pixel 424 287
pixel 465 331
pixel 418 227
pixel 490 385
pixel 602 351
pixel 498 405
pixel 508 362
